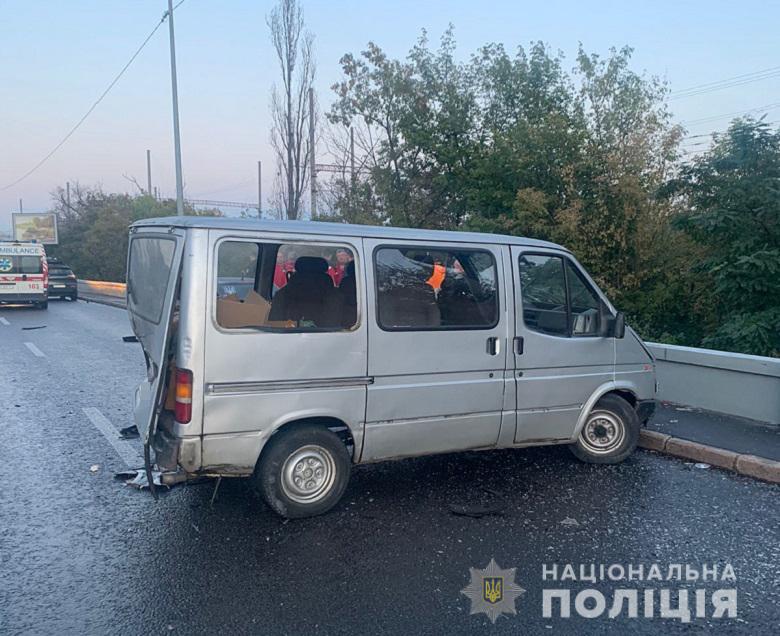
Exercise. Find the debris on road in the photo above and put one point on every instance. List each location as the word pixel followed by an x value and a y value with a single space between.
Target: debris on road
pixel 32 328
pixel 129 339
pixel 569 521
pixel 129 432
pixel 702 465
pixel 137 478
pixel 94 468
pixel 479 510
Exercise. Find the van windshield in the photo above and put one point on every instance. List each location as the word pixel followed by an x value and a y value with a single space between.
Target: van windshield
pixel 149 269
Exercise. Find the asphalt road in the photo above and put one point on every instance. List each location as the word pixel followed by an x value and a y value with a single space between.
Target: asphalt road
pixel 81 553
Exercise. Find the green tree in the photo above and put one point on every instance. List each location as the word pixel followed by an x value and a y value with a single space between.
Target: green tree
pixel 93 230
pixel 416 121
pixel 731 207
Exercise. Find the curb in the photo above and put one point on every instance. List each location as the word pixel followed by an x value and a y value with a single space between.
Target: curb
pixel 742 464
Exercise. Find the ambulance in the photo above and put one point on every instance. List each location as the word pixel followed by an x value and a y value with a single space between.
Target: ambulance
pixel 24 274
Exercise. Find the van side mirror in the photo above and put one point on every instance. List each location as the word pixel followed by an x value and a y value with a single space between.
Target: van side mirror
pixel 619 330
pixel 612 326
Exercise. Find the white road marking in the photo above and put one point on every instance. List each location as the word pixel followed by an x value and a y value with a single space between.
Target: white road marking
pixel 3 321
pixel 131 457
pixel 35 350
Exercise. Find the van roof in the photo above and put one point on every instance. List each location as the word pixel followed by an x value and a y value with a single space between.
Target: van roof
pixel 339 229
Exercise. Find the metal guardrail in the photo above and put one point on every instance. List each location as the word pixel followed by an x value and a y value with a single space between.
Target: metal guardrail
pixel 103 292
pixel 733 383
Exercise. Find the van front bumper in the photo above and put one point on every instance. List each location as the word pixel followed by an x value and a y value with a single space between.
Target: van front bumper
pixel 645 410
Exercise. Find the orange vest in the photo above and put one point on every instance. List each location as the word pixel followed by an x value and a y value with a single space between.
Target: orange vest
pixel 437 278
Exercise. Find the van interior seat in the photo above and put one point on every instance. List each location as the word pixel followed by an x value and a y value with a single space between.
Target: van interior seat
pixel 411 305
pixel 309 295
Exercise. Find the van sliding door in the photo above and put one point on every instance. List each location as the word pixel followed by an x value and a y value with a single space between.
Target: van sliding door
pixel 437 347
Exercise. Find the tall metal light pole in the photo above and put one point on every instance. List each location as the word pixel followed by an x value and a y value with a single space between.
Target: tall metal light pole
pixel 259 190
pixel 313 167
pixel 149 172
pixel 175 96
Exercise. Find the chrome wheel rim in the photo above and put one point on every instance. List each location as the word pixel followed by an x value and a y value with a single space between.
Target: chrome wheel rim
pixel 602 433
pixel 308 474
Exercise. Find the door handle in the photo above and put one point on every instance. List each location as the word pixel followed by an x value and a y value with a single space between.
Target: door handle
pixel 519 345
pixel 493 346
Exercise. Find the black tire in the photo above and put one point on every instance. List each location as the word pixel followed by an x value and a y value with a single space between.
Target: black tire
pixel 610 433
pixel 74 297
pixel 281 477
pixel 42 305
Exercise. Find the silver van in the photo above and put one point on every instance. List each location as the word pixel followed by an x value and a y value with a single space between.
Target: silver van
pixel 287 351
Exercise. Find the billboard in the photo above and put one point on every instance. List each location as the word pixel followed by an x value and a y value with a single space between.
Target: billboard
pixel 35 227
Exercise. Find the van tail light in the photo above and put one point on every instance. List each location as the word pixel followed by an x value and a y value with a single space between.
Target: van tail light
pixel 183 409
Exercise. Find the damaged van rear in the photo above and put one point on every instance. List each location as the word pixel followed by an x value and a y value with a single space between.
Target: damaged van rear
pixel 288 352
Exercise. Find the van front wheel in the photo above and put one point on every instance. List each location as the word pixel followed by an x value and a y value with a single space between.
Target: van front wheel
pixel 303 471
pixel 610 433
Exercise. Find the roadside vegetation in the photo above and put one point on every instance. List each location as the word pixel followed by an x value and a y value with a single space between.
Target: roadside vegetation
pixel 521 143
pixel 688 246
pixel 93 228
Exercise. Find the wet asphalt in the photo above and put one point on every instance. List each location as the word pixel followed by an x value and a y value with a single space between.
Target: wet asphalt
pixel 81 553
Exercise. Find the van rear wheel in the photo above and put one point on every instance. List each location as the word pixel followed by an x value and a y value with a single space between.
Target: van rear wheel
pixel 303 471
pixel 610 433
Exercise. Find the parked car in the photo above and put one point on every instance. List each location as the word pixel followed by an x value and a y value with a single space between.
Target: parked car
pixel 511 344
pixel 23 274
pixel 62 281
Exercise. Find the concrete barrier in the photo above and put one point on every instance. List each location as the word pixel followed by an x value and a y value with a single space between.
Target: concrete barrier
pixel 732 383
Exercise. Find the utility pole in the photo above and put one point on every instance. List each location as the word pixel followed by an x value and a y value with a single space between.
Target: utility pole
pixel 67 194
pixel 312 169
pixel 352 154
pixel 149 172
pixel 175 97
pixel 21 207
pixel 259 189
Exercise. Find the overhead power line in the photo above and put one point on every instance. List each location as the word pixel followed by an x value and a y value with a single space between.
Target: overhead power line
pixel 703 120
pixel 91 108
pixel 730 82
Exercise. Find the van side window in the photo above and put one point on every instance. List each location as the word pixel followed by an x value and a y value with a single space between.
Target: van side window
pixel 435 288
pixel 286 286
pixel 557 301
pixel 585 304
pixel 543 288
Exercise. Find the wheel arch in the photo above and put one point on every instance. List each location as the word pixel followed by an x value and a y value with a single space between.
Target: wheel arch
pixel 330 422
pixel 625 390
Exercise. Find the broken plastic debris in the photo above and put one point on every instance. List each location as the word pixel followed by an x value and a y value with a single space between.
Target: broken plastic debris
pixel 673 421
pixel 137 478
pixel 702 465
pixel 480 510
pixel 129 339
pixel 94 468
pixel 129 432
pixel 569 521
pixel 683 408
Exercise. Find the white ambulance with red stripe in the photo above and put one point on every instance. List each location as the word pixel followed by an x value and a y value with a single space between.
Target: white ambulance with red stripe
pixel 24 274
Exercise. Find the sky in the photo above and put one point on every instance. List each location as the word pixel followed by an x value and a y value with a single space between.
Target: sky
pixel 57 57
